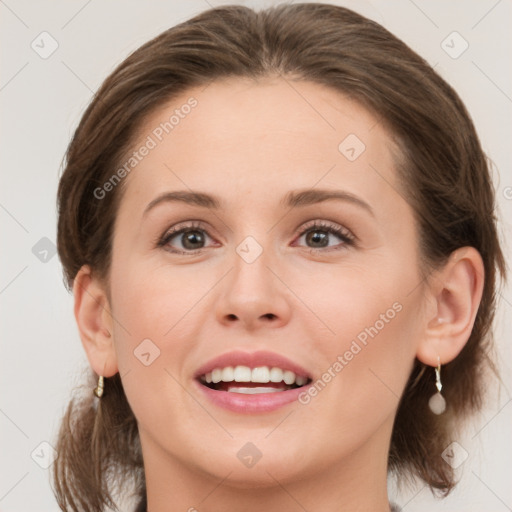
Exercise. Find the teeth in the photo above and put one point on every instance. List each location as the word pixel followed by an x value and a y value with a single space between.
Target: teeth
pixel 289 377
pixel 242 374
pixel 260 374
pixel 216 375
pixel 228 374
pixel 300 381
pixel 276 375
pixel 252 391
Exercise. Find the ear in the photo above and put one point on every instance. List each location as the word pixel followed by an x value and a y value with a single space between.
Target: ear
pixel 94 320
pixel 454 295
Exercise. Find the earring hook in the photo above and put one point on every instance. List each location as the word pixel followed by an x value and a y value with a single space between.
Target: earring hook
pixel 439 386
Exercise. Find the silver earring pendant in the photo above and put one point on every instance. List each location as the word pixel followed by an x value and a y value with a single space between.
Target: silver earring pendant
pixel 437 403
pixel 98 390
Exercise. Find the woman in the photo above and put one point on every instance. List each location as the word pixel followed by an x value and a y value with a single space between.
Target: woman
pixel 284 261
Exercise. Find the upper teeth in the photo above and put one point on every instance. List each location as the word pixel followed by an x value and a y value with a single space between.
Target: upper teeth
pixel 261 374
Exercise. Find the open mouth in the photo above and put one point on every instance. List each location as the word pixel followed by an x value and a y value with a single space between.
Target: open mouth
pixel 251 381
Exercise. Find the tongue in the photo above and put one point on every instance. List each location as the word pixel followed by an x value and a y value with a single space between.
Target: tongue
pixel 225 386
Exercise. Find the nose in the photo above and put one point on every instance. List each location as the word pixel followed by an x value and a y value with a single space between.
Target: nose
pixel 253 295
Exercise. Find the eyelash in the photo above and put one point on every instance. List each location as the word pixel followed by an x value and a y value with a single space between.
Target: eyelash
pixel 344 234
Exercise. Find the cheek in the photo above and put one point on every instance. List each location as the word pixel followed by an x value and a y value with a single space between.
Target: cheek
pixel 151 305
pixel 353 301
pixel 152 343
pixel 368 358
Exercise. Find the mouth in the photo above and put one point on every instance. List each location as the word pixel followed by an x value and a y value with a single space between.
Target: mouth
pixel 252 381
pixel 256 382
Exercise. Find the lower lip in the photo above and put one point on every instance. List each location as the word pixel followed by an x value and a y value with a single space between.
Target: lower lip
pixel 260 402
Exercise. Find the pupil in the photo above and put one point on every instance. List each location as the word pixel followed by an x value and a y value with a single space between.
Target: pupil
pixel 192 237
pixel 317 236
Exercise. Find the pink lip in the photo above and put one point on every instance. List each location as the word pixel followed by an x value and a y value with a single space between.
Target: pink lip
pixel 263 402
pixel 252 360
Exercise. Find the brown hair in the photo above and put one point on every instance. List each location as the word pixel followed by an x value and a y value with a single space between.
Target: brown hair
pixel 441 165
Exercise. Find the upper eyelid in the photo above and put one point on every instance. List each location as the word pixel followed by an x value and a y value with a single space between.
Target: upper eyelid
pixel 189 225
pixel 324 224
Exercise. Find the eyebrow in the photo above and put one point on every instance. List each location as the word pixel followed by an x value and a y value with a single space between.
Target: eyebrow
pixel 293 199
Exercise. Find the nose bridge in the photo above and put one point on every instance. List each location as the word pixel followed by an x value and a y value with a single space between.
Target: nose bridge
pixel 252 292
pixel 251 276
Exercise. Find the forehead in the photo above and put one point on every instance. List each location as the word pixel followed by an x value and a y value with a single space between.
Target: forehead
pixel 240 136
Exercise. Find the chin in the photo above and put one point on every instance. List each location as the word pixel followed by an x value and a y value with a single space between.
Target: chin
pixel 265 473
pixel 246 463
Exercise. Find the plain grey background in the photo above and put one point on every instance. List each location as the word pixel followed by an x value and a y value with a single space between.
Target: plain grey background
pixel 46 82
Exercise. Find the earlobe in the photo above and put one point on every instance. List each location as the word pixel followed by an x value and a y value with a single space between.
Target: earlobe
pixel 94 321
pixel 456 290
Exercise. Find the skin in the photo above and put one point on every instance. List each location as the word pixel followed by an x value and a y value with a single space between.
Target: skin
pixel 250 143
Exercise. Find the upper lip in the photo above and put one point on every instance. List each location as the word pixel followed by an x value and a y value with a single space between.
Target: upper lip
pixel 252 360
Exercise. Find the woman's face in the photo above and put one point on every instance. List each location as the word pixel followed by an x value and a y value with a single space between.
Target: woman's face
pixel 255 283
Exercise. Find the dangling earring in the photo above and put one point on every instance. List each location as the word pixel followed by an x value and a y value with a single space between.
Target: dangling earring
pixel 98 390
pixel 437 403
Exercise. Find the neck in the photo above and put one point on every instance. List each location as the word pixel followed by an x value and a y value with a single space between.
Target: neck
pixel 356 483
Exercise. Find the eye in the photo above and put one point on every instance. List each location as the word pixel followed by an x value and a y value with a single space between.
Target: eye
pixel 190 236
pixel 318 234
